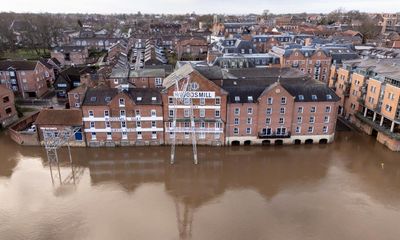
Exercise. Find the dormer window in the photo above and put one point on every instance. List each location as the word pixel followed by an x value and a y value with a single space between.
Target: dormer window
pixel 93 99
pixel 314 97
pixel 250 98
pixel 139 99
pixel 153 99
pixel 301 97
pixel 329 97
pixel 237 99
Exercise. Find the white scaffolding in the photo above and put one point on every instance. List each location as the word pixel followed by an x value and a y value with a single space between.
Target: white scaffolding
pixel 181 98
pixel 53 140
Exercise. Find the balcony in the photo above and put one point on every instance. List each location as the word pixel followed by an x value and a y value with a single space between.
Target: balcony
pixel 262 135
pixel 377 127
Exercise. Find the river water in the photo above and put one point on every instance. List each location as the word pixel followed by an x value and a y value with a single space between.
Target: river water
pixel 346 190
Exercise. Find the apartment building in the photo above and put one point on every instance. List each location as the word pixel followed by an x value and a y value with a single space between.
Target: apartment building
pixel 280 111
pixel 129 117
pixel 8 114
pixel 25 78
pixel 209 103
pixel 370 89
pixel 313 61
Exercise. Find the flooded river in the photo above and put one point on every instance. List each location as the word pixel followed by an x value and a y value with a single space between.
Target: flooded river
pixel 346 190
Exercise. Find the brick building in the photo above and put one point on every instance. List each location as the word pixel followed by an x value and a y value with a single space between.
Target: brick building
pixel 123 118
pixel 291 110
pixel 26 78
pixel 313 61
pixel 194 48
pixel 209 103
pixel 8 114
pixel 370 89
pixel 70 55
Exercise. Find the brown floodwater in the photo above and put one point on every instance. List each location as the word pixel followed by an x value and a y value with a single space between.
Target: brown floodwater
pixel 346 190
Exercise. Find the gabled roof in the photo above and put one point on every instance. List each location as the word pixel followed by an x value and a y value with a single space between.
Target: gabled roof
pixel 176 76
pixel 18 65
pixel 158 72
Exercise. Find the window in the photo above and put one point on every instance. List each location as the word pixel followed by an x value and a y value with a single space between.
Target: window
pixel 92 125
pixel 153 99
pixel 268 121
pixel 137 112
pixel 170 100
pixel 139 99
pixel 121 102
pixel 237 111
pixel 91 113
pixel 8 110
pixel 283 100
pixel 300 110
pixel 250 98
pixel 237 99
pixel 249 120
pixel 325 129
pixel 124 135
pixel 108 125
pixel 202 135
pixel 122 113
pixel 76 96
pixel 217 101
pixel 77 105
pixel 298 129
pixel 202 125
pixel 236 121
pixel 93 136
pixel 236 131
pixel 203 101
pixel 326 119
pixel 310 129
pixel 269 100
pixel 202 112
pixel 313 109
pixel 249 110
pixel 217 113
pixel 123 124
pixel 139 135
pixel 329 97
pixel 158 82
pixel 153 124
pixel 312 119
pixel 106 113
pixel 109 136
pixel 281 120
pixel 186 112
pixel 171 113
pixel 269 111
pixel 139 124
pixel 281 131
pixel 248 130
pixel 314 97
pixel 388 108
pixel 299 119
pixel 328 109
pixel 153 135
pixel 301 97
pixel 282 110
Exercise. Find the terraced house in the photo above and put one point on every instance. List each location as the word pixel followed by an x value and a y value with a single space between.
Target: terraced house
pixel 370 89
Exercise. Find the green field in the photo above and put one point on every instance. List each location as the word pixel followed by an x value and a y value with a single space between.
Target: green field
pixel 23 54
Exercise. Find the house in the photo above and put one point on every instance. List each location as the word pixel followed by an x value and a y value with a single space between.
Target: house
pixel 194 48
pixel 73 77
pixel 8 114
pixel 27 79
pixel 70 55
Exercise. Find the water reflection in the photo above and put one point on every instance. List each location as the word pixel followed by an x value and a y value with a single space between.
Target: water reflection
pixel 306 192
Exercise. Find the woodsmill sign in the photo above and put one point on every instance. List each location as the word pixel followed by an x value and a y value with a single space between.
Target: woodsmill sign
pixel 194 94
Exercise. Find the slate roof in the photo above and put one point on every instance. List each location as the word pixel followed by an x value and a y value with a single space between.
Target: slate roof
pixel 62 117
pixel 101 96
pixel 158 72
pixel 18 65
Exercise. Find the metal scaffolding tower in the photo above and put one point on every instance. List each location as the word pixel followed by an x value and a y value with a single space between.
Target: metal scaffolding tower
pixel 183 96
pixel 53 140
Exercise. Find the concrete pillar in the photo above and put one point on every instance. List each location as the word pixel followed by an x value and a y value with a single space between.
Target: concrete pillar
pixel 374 117
pixel 392 127
pixel 382 121
pixel 365 112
